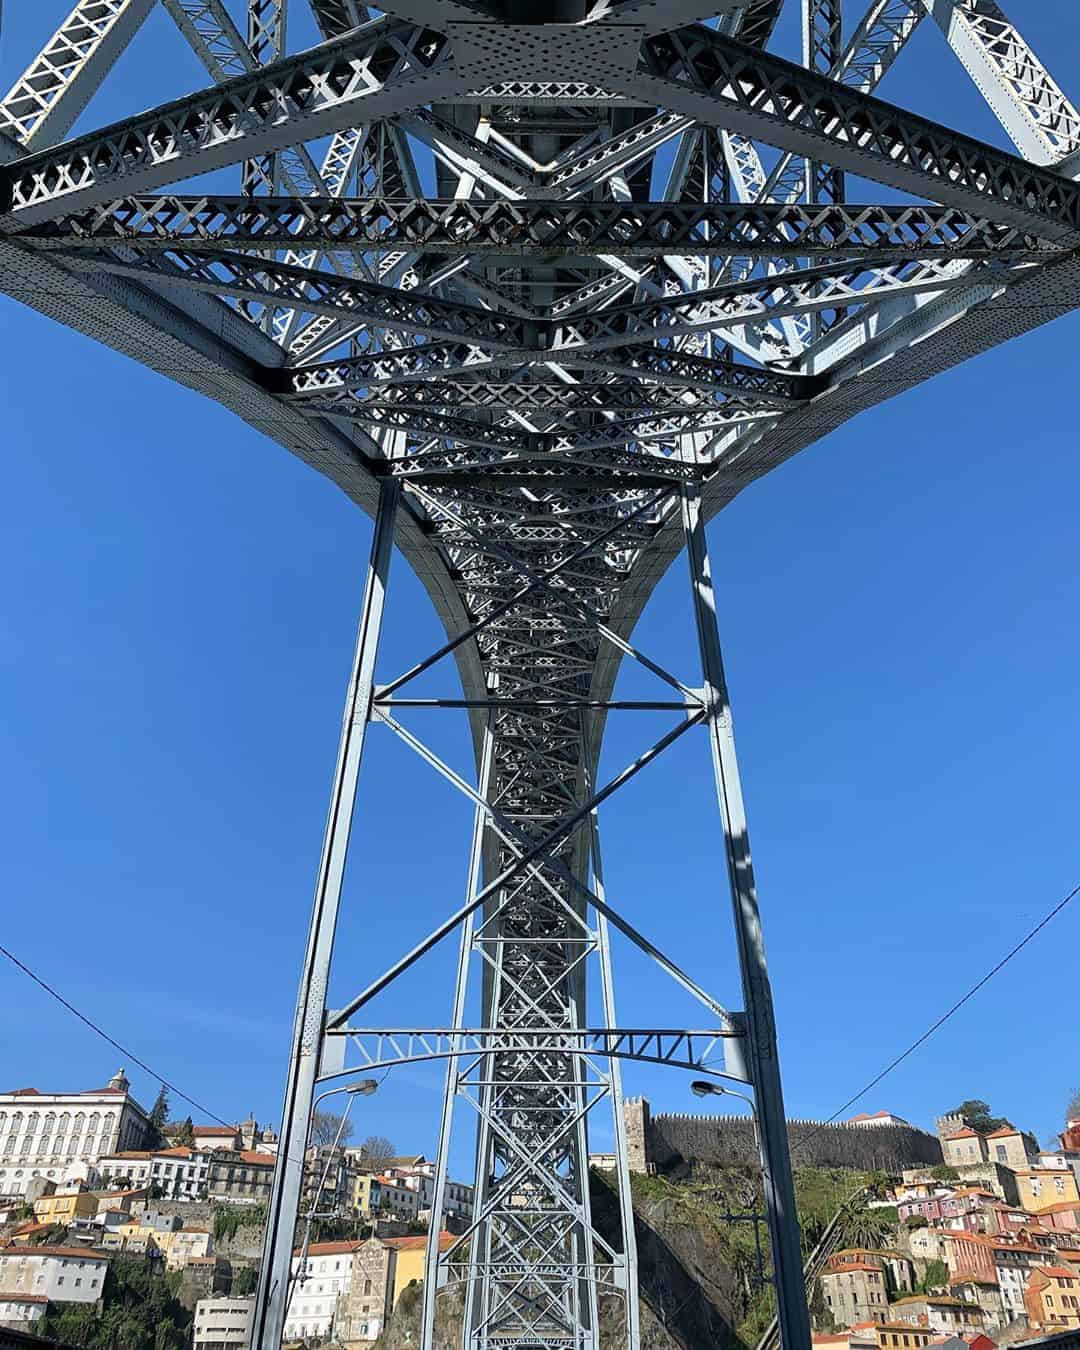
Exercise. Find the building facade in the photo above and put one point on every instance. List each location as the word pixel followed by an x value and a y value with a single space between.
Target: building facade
pixel 59 1274
pixel 21 1311
pixel 384 1196
pixel 408 1264
pixel 177 1173
pixel 964 1146
pixel 242 1178
pixel 855 1292
pixel 321 1285
pixel 370 1298
pixel 45 1134
pixel 1052 1298
pixel 223 1323
pixel 1042 1187
pixel 986 1294
pixel 941 1313
pixel 1009 1147
pixel 64 1207
pixel 900 1267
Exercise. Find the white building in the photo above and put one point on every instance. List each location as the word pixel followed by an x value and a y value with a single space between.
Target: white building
pixel 209 1137
pixel 878 1118
pixel 316 1291
pixel 21 1311
pixel 223 1323
pixel 59 1274
pixel 179 1173
pixel 50 1134
pixel 420 1177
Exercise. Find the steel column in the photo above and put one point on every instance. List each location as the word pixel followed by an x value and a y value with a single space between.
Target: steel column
pixel 309 1021
pixel 622 1164
pixel 761 1049
pixel 432 1281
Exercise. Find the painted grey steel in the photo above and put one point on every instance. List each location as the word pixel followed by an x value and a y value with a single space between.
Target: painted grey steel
pixel 762 1053
pixel 308 1026
pixel 432 1272
pixel 638 285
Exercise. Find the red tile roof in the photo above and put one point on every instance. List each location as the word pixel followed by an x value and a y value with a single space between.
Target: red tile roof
pixel 1058 1272
pixel 230 1130
pixel 23 1298
pixel 23 1092
pixel 1003 1132
pixel 412 1243
pixel 965 1133
pixel 84 1252
pixel 331 1248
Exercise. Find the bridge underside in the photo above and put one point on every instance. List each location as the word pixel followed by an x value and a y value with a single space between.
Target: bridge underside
pixel 542 287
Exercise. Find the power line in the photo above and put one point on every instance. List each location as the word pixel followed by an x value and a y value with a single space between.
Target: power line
pixel 99 1031
pixel 944 1016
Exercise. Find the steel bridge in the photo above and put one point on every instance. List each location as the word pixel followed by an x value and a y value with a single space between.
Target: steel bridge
pixel 541 285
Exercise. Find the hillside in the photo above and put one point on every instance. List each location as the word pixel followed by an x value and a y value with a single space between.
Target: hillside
pixel 699 1258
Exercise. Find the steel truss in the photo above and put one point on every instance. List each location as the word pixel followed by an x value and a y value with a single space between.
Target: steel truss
pixel 639 284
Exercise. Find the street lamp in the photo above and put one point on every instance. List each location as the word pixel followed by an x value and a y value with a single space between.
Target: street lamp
pixel 365 1087
pixel 701 1087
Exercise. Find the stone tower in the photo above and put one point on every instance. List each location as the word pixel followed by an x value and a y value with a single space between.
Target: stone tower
pixel 638 1152
pixel 949 1124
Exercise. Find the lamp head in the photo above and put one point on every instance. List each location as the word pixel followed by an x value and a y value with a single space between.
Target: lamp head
pixel 364 1088
pixel 701 1088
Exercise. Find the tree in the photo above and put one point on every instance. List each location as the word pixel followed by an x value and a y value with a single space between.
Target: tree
pixel 914 1221
pixel 185 1135
pixel 936 1277
pixel 375 1152
pixel 868 1228
pixel 943 1172
pixel 977 1114
pixel 325 1126
pixel 244 1281
pixel 139 1311
pixel 1072 1111
pixel 159 1113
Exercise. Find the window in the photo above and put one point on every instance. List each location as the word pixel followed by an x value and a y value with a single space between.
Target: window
pixel 367 1286
pixel 78 1283
pixel 60 1279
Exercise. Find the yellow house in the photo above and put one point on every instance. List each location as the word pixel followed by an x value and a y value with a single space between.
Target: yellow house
pixel 65 1207
pixel 182 1245
pixel 1042 1187
pixel 178 1246
pixel 409 1259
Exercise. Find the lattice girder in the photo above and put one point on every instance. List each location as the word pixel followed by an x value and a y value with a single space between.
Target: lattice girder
pixel 636 286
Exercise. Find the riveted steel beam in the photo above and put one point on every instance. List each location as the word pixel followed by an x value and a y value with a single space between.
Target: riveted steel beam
pixel 547 230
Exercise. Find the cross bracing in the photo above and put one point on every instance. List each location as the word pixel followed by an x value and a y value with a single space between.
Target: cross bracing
pixel 641 277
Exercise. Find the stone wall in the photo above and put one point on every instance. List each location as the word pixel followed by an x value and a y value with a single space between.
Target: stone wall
pixel 674 1139
pixel 245 1243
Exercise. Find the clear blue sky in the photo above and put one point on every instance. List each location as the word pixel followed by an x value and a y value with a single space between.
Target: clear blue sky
pixel 899 605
